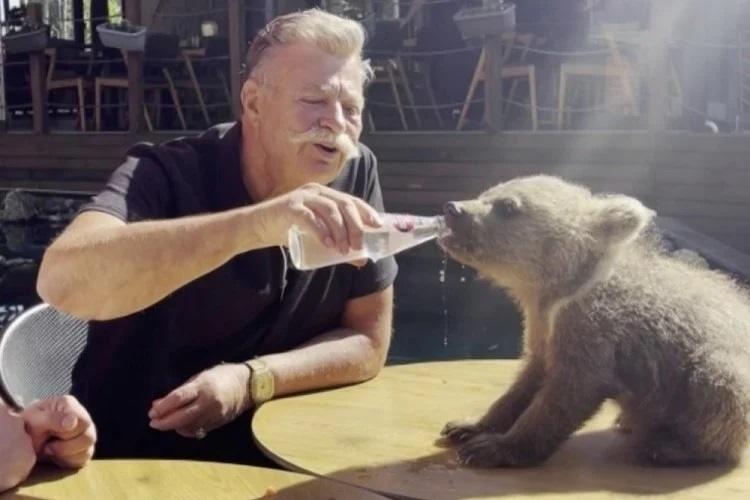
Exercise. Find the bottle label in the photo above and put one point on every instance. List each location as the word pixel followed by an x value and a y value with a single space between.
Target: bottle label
pixel 403 223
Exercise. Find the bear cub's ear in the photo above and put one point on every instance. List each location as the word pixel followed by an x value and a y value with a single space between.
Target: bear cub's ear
pixel 619 219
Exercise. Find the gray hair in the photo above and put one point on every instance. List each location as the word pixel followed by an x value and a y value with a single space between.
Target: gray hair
pixel 334 34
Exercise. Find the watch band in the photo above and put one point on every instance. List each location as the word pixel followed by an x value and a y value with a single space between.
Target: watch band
pixel 261 385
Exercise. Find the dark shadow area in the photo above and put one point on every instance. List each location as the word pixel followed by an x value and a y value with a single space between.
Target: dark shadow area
pixel 589 462
pixel 41 474
pixel 320 488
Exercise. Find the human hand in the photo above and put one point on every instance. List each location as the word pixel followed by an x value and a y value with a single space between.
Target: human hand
pixel 16 451
pixel 208 400
pixel 338 219
pixel 61 431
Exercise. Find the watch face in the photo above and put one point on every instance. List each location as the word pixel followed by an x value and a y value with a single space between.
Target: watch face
pixel 262 385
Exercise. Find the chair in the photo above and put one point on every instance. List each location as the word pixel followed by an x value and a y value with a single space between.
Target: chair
pixel 618 69
pixel 160 58
pixel 67 70
pixel 37 353
pixel 514 70
pixel 385 49
pixel 207 69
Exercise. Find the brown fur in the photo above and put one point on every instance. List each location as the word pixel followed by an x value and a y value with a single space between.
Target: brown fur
pixel 607 314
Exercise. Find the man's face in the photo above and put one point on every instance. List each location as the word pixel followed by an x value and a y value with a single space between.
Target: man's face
pixel 310 113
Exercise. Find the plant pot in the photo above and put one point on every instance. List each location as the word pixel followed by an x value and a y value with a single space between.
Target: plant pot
pixel 26 41
pixel 118 38
pixel 481 22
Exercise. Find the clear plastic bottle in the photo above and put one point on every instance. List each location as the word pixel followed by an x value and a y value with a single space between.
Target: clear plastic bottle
pixel 398 233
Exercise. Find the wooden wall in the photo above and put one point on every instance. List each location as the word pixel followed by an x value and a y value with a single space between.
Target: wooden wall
pixel 702 180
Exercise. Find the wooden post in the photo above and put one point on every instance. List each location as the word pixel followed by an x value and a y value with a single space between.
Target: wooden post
pixel 4 115
pixel 134 61
pixel 37 71
pixel 79 24
pixel 658 65
pixel 133 11
pixel 237 49
pixel 493 92
pixel 135 91
pixel 39 91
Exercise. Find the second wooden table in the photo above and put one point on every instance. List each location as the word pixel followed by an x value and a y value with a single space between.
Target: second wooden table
pixel 381 435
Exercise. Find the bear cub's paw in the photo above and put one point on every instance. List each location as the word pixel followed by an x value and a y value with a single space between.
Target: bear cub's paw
pixel 491 450
pixel 460 431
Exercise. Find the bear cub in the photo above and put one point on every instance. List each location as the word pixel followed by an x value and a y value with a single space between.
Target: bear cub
pixel 608 314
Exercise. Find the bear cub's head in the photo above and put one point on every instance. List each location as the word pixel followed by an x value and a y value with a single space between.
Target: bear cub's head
pixel 541 233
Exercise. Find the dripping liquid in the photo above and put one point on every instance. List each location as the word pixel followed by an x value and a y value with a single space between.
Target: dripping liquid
pixel 443 272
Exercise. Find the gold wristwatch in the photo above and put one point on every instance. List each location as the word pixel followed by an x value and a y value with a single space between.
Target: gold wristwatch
pixel 261 385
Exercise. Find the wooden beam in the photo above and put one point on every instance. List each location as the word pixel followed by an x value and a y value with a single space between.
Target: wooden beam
pixel 79 25
pixel 134 61
pixel 133 10
pixel 37 68
pixel 4 115
pixel 237 49
pixel 493 84
pixel 658 65
pixel 135 92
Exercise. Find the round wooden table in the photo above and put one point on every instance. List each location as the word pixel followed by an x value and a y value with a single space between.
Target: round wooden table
pixel 381 435
pixel 166 479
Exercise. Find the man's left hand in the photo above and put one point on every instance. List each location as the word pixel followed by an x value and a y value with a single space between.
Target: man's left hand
pixel 207 401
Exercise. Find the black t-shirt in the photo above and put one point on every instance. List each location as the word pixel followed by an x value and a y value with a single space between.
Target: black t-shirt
pixel 255 304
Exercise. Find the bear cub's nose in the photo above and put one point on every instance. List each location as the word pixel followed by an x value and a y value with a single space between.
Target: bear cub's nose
pixel 452 208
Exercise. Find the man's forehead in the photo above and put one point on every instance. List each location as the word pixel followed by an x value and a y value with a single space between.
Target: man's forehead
pixel 350 87
pixel 314 66
pixel 333 86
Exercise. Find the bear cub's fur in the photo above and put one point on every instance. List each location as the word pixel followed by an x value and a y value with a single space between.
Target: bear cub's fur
pixel 607 315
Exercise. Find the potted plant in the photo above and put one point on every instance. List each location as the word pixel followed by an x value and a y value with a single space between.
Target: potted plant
pixel 22 36
pixel 123 35
pixel 491 20
pixel 26 39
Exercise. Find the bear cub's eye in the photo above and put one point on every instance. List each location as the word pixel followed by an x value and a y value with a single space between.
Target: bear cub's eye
pixel 506 207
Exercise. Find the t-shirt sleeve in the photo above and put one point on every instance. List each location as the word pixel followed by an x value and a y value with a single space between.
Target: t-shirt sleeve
pixel 137 190
pixel 373 276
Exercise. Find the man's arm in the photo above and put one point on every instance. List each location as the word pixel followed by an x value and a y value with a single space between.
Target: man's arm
pixel 353 353
pixel 102 268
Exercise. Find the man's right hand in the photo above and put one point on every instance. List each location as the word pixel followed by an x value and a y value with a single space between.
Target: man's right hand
pixel 339 219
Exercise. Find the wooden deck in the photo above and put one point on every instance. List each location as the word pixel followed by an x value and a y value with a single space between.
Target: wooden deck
pixel 702 180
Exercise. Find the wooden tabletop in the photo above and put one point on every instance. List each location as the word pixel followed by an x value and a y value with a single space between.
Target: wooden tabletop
pixel 381 435
pixel 166 479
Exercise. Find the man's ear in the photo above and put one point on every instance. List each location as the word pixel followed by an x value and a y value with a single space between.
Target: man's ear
pixel 619 219
pixel 250 96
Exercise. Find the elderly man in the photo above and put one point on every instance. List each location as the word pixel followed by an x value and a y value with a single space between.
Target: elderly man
pixel 180 264
pixel 57 430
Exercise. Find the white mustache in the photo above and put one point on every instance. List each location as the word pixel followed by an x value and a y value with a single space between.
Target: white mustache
pixel 342 142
